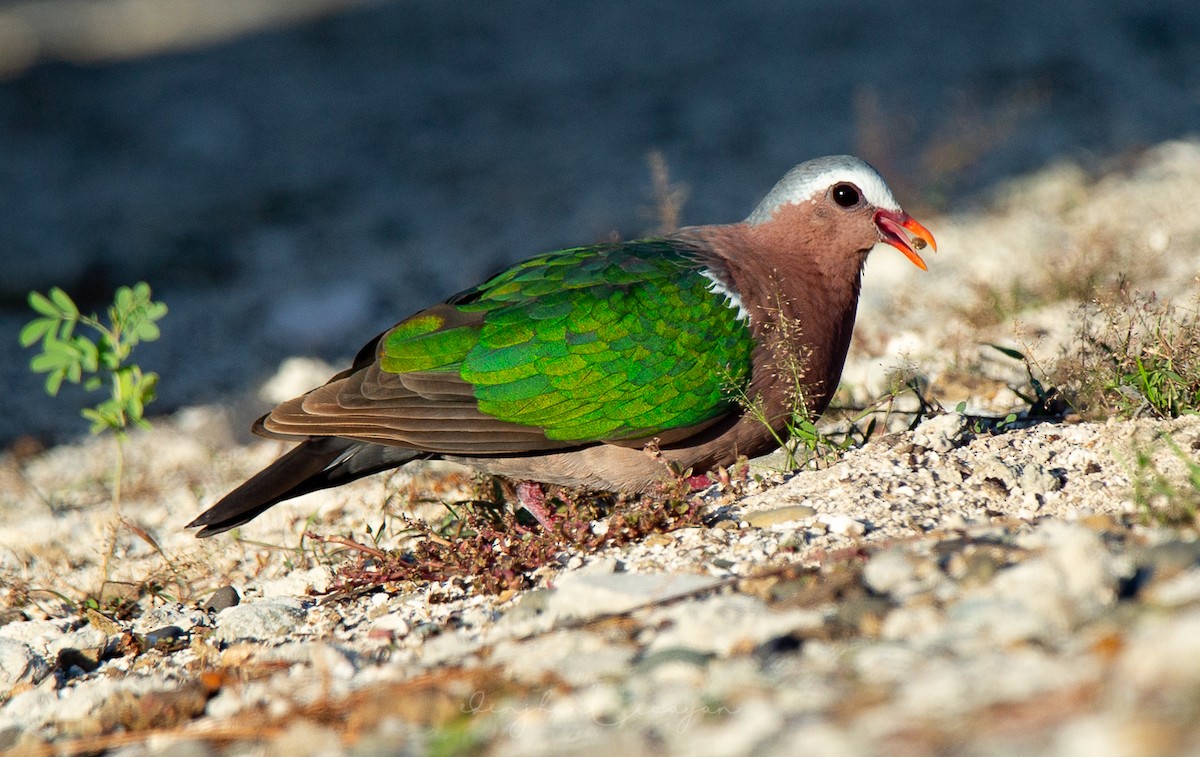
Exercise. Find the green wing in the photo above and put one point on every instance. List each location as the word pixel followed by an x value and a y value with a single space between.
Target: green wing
pixel 602 343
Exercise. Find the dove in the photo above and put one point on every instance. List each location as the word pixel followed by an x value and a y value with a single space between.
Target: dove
pixel 607 366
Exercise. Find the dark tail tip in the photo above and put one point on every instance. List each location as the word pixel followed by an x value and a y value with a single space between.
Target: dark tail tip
pixel 317 463
pixel 295 473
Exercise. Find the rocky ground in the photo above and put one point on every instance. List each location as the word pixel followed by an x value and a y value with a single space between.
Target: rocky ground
pixel 953 588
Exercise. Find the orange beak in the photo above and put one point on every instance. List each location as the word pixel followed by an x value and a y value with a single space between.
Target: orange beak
pixel 903 232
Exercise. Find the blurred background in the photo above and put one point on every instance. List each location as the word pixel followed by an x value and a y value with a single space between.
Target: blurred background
pixel 292 176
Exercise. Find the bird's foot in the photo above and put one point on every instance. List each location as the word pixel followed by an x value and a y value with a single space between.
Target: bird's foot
pixel 533 498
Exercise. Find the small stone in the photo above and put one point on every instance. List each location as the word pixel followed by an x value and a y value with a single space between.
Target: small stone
pixel 332 662
pixel 392 626
pixel 583 595
pixel 40 634
pixel 673 655
pixel 844 525
pixel 723 624
pixel 222 598
pixel 577 657
pixel 780 515
pixel 263 620
pixel 1162 655
pixel 909 623
pixel 178 615
pixel 298 584
pixel 307 737
pixel 165 635
pixel 1177 591
pixel 941 433
pixel 1088 575
pixel 888 570
pixel 1169 557
pixel 9 736
pixel 863 614
pixel 19 664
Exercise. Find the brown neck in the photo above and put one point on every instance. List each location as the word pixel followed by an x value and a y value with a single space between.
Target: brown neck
pixel 801 301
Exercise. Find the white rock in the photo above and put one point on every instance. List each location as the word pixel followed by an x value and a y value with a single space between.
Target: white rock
pixel 843 525
pixel 263 620
pixel 1099 736
pixel 298 583
pixel 1177 591
pixel 914 624
pixel 19 664
pixel 39 634
pixel 941 433
pixel 1163 655
pixel 1087 573
pixel 394 624
pixel 889 571
pixel 577 657
pixel 722 624
pixel 587 594
pixel 977 623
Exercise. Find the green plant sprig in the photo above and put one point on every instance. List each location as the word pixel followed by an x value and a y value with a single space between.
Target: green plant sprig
pixel 93 362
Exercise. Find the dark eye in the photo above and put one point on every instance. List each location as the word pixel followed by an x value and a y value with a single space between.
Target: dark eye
pixel 845 195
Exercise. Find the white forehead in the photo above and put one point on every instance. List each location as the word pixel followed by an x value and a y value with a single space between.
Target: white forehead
pixel 810 179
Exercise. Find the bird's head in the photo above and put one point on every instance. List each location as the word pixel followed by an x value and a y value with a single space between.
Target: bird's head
pixel 843 204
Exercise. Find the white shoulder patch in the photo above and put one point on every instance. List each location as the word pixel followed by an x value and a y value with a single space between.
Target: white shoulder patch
pixel 732 299
pixel 809 179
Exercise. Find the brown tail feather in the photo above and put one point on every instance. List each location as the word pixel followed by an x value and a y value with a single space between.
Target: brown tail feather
pixel 316 463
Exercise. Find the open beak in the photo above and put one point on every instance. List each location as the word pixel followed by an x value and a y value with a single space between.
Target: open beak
pixel 903 232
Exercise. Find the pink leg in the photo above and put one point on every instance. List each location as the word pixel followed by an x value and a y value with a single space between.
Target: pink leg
pixel 533 499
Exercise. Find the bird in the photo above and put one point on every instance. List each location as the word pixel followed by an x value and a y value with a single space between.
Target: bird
pixel 603 367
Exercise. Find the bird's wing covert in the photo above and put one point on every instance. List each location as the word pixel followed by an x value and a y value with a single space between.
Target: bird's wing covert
pixel 605 343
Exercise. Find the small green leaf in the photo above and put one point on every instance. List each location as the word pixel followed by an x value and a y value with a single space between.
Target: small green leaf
pixel 54 383
pixel 64 302
pixel 99 420
pixel 149 387
pixel 43 305
pixel 66 331
pixel 89 354
pixel 961 407
pixel 146 331
pixel 36 330
pixel 48 361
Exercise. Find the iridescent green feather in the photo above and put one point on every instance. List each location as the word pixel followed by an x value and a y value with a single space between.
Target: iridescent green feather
pixel 595 343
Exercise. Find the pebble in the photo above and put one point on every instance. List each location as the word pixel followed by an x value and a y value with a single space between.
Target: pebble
pixel 393 626
pixel 20 664
pixel 593 594
pixel 941 433
pixel 224 597
pixel 779 516
pixel 889 571
pixel 262 619
pixel 843 525
pixel 1180 590
pixel 298 583
pixel 721 624
pixel 578 657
